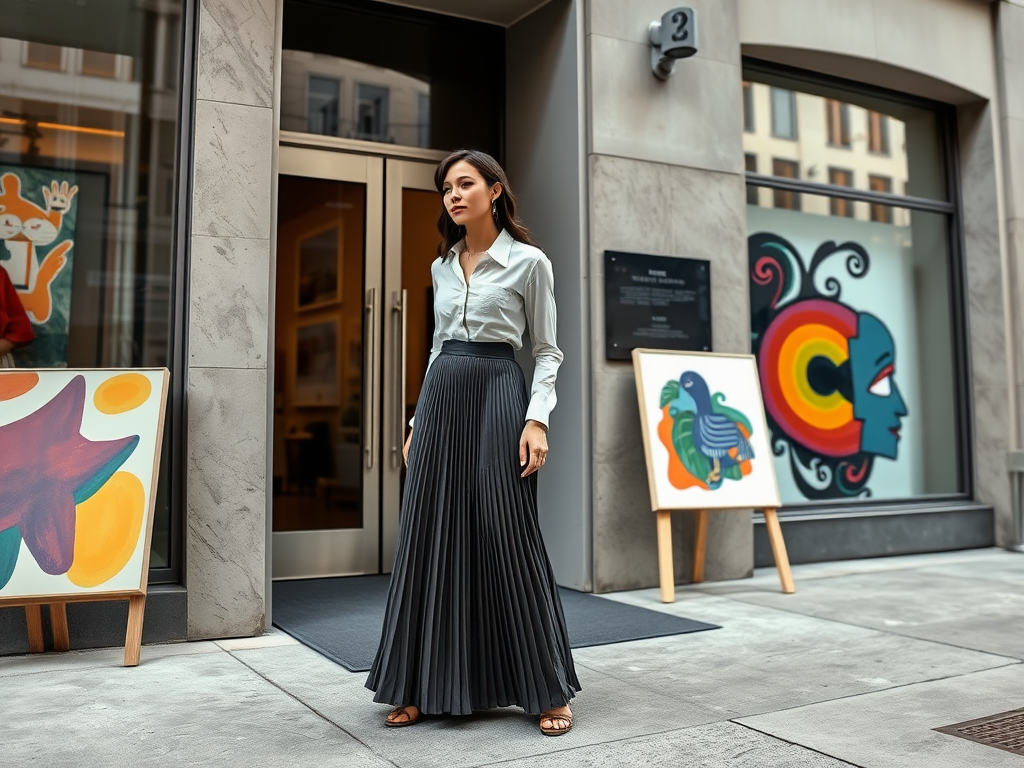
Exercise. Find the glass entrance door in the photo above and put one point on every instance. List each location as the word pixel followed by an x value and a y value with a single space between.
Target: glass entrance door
pixel 353 294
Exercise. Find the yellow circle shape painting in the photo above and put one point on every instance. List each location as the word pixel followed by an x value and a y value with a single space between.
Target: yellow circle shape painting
pixel 122 393
pixel 107 530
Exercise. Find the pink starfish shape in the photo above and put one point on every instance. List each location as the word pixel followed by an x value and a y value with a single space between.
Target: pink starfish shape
pixel 47 467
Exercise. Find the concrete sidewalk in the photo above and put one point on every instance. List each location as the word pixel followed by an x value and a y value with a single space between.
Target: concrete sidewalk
pixel 854 669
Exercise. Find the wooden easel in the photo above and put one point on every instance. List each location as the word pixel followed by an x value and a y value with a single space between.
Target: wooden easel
pixel 136 597
pixel 666 570
pixel 59 620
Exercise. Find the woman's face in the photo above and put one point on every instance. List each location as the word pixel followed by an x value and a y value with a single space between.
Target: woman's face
pixel 467 198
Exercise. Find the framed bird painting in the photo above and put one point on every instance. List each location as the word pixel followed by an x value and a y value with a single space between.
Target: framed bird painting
pixel 705 434
pixel 706 444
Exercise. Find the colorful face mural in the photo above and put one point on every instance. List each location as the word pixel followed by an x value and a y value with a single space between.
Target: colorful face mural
pixel 707 441
pixel 828 372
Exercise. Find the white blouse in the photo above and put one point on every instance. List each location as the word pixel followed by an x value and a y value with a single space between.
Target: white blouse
pixel 511 291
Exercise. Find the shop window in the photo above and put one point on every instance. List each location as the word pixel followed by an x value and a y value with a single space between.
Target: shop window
pixel 322 105
pixel 748 108
pixel 878 133
pixel 854 315
pixel 837 117
pixel 785 198
pixel 750 165
pixel 102 138
pixel 881 213
pixel 840 206
pixel 44 56
pixel 396 91
pixel 783 113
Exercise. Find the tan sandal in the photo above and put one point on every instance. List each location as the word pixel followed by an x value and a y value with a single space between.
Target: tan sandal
pixel 555 718
pixel 397 712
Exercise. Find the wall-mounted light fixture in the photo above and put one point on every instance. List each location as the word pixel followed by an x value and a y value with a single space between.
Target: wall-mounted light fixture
pixel 674 37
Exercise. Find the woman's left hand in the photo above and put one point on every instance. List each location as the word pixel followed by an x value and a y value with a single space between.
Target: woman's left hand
pixel 533 445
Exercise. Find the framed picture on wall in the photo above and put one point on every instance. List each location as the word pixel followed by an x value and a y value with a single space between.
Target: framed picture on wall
pixel 315 381
pixel 319 267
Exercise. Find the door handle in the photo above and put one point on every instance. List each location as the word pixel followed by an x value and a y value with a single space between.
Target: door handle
pixel 370 407
pixel 398 304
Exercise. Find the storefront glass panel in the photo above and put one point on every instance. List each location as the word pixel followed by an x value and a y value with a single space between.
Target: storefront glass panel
pixel 89 103
pixel 827 127
pixel 853 333
pixel 354 70
pixel 853 305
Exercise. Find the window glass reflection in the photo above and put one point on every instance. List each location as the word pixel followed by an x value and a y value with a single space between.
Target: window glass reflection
pixel 381 105
pixel 88 157
pixel 351 71
pixel 816 128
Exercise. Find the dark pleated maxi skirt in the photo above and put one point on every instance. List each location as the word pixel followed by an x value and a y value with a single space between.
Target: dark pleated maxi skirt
pixel 473 617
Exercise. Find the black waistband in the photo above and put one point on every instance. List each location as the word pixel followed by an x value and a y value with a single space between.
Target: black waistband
pixel 499 349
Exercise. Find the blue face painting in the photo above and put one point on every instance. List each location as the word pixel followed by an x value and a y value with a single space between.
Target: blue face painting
pixel 877 402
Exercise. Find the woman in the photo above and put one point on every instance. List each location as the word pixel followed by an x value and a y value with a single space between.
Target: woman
pixel 473 618
pixel 15 328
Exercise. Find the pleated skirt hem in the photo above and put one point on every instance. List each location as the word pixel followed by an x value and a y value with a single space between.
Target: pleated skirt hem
pixel 473 618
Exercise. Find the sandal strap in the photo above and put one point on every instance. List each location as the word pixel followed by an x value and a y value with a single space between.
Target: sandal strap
pixel 564 718
pixel 399 712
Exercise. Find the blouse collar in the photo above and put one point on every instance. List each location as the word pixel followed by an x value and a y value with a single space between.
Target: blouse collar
pixel 500 250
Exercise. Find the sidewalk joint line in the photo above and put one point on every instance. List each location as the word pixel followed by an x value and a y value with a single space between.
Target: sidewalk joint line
pixel 883 630
pixel 797 744
pixel 312 709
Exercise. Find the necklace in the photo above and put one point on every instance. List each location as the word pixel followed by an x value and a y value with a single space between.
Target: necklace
pixel 470 255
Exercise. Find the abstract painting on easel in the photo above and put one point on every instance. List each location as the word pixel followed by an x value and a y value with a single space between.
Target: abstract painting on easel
pixel 705 436
pixel 79 451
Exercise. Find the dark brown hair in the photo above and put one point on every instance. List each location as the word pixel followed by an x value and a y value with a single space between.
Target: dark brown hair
pixel 486 166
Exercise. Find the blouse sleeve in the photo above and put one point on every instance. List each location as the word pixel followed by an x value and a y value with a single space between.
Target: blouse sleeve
pixel 539 300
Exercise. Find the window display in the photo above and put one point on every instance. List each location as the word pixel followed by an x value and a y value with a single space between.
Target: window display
pixel 89 107
pixel 851 315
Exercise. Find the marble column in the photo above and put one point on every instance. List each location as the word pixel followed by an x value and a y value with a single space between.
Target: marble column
pixel 1010 72
pixel 229 304
pixel 666 178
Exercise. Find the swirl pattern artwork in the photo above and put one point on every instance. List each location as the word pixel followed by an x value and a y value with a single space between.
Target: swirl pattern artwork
pixel 827 371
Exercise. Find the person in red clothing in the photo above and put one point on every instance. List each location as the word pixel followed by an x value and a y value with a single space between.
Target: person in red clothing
pixel 15 328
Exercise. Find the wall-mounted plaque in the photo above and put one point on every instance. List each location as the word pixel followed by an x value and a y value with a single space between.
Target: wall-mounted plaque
pixel 655 302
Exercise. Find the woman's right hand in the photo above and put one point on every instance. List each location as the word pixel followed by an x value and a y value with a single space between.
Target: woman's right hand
pixel 405 451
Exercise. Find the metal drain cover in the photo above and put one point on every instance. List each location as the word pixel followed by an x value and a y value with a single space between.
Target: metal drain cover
pixel 1002 731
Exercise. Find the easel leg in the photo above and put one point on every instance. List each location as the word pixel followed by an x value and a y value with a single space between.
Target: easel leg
pixel 779 551
pixel 666 571
pixel 59 626
pixel 34 619
pixel 700 541
pixel 133 641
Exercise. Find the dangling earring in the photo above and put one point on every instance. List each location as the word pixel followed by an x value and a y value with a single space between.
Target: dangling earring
pixel 494 210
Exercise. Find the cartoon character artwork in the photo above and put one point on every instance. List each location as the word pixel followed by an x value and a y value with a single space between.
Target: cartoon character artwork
pixel 25 227
pixel 707 442
pixel 828 372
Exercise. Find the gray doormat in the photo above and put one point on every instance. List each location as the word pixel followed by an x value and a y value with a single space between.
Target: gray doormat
pixel 342 617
